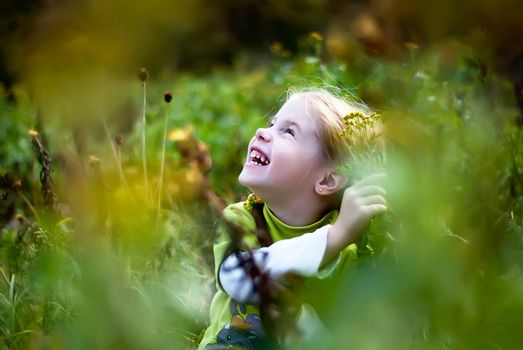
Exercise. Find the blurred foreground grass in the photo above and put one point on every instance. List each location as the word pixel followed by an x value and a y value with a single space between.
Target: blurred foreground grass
pixel 117 262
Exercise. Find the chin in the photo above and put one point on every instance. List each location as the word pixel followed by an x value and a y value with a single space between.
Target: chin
pixel 244 180
pixel 241 178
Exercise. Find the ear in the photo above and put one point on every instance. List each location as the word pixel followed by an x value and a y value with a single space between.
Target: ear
pixel 330 183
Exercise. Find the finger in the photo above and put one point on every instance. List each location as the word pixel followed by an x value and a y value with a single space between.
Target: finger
pixel 370 180
pixel 375 209
pixel 374 199
pixel 372 190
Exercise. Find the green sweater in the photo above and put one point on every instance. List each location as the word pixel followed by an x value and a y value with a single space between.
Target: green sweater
pixel 229 319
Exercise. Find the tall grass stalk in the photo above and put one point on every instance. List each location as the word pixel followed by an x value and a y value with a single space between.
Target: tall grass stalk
pixel 162 160
pixel 30 206
pixel 144 156
pixel 116 153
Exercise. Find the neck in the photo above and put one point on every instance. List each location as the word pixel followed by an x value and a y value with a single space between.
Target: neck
pixel 297 211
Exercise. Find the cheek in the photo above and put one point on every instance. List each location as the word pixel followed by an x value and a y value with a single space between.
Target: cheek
pixel 250 143
pixel 297 163
pixel 248 147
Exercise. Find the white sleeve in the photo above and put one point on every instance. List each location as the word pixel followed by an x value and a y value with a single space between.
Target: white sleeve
pixel 300 255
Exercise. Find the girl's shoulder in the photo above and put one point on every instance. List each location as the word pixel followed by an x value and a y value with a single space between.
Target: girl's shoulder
pixel 236 209
pixel 242 210
pixel 239 213
pixel 241 219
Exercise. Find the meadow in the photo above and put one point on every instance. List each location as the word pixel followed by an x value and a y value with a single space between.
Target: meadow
pixel 110 203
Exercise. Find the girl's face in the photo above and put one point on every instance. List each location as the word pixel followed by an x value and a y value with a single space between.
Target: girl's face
pixel 284 158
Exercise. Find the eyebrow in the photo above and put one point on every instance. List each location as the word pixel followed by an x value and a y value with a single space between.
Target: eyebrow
pixel 296 125
pixel 293 123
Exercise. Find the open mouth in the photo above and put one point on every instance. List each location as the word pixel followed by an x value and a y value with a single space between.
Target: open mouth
pixel 256 157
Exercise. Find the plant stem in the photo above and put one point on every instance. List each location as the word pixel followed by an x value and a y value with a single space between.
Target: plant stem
pixel 144 160
pixel 31 207
pixel 45 173
pixel 162 161
pixel 116 153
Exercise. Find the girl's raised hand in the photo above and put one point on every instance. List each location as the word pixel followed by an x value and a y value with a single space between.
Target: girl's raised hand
pixel 361 202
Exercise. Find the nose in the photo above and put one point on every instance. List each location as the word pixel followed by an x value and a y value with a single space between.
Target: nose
pixel 263 134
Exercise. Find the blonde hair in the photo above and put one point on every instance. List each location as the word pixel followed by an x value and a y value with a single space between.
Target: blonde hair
pixel 331 113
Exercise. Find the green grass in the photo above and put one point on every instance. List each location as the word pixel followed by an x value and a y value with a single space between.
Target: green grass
pixel 108 270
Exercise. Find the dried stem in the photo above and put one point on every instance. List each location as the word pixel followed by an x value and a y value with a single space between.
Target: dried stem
pixel 216 202
pixel 116 153
pixel 101 189
pixel 45 173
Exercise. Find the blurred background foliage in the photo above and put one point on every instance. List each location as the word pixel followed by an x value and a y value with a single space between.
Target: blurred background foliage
pixel 95 252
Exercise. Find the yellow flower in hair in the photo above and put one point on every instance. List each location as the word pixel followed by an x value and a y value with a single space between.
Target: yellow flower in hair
pixel 362 134
pixel 358 124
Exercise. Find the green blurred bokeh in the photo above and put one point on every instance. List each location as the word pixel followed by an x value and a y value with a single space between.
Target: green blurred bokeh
pixel 126 263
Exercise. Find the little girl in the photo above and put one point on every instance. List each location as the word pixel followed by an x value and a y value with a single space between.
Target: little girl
pixel 302 220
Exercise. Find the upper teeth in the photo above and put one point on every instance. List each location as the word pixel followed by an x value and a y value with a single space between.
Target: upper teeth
pixel 260 158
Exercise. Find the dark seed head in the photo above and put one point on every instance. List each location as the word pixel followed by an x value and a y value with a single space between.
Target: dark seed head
pixel 143 74
pixel 118 140
pixel 167 97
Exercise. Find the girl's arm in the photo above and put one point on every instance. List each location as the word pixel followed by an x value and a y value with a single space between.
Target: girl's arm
pixel 300 255
pixel 360 203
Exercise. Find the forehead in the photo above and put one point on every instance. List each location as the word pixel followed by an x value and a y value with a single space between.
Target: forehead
pixel 297 110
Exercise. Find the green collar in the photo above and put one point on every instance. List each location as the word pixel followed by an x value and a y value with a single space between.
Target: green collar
pixel 280 230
